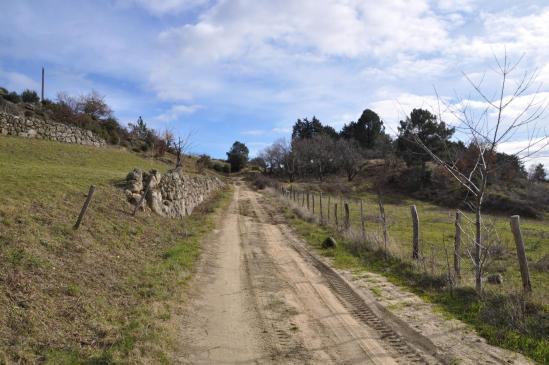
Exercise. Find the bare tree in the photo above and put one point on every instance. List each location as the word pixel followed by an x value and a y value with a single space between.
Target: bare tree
pixel 349 157
pixel 182 146
pixel 513 112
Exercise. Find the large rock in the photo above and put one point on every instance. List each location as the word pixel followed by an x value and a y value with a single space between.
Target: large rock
pixel 329 242
pixel 496 279
pixel 135 180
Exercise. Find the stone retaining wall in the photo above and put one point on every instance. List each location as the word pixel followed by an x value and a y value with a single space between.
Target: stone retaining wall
pixel 31 127
pixel 173 194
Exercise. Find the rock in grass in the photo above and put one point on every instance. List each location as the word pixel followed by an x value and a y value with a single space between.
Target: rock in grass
pixel 495 279
pixel 329 242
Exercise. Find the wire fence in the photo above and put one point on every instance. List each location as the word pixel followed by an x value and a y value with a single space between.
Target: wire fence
pixel 437 241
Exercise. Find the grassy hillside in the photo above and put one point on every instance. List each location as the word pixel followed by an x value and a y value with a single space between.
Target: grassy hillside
pixel 104 293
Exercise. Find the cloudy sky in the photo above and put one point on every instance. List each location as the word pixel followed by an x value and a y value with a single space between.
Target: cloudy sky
pixel 247 69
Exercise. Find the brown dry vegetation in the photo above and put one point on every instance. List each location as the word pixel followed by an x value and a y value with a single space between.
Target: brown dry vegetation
pixel 101 294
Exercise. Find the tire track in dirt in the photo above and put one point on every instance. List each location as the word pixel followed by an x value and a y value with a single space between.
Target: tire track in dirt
pixel 260 297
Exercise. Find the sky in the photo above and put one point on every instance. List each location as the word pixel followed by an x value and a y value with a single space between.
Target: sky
pixel 245 70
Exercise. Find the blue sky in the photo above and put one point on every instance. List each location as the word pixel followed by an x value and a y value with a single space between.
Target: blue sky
pixel 247 69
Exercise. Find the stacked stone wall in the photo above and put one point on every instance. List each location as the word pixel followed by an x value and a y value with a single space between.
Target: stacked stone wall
pixel 32 127
pixel 173 194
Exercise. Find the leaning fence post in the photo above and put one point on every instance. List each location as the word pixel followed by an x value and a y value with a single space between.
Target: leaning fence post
pixel 457 247
pixel 521 254
pixel 383 222
pixel 84 207
pixel 362 222
pixel 347 220
pixel 415 238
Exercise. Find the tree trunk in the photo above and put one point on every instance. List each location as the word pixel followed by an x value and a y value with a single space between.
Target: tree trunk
pixel 478 246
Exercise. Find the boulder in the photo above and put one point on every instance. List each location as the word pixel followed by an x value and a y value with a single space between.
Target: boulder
pixel 135 180
pixel 329 242
pixel 496 279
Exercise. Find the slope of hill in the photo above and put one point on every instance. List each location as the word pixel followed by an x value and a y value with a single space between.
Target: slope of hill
pixel 100 294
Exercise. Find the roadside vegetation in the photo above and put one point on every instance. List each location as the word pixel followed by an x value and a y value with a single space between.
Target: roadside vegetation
pixel 104 294
pixel 504 318
pixel 440 171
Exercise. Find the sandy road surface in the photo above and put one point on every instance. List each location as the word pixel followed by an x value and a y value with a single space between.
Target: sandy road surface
pixel 260 297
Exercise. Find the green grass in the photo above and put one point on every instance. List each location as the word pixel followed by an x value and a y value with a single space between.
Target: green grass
pixel 104 294
pixel 437 237
pixel 490 316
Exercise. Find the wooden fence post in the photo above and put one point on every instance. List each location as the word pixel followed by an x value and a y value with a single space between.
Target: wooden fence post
pixel 335 216
pixel 308 201
pixel 341 207
pixel 328 212
pixel 383 223
pixel 415 237
pixel 313 199
pixel 521 254
pixel 84 207
pixel 457 247
pixel 347 220
pixel 362 221
pixel 320 207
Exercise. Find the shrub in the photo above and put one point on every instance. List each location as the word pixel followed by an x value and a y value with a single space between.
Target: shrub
pixel 3 92
pixel 29 96
pixel 221 166
pixel 13 97
pixel 203 162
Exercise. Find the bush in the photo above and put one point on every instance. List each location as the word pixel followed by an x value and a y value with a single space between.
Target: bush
pixel 3 92
pixel 221 166
pixel 30 96
pixel 203 162
pixel 13 97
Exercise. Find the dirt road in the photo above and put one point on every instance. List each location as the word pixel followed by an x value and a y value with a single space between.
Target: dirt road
pixel 260 297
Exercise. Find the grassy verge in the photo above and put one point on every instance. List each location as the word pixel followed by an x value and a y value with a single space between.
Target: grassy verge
pixel 437 235
pixel 504 320
pixel 103 294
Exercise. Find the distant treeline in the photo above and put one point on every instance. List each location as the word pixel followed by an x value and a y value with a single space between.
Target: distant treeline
pixel 317 151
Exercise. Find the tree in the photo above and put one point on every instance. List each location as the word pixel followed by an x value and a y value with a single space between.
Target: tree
pixel 315 155
pixel 366 130
pixel 238 156
pixel 29 96
pixel 497 122
pixel 259 162
pixel 308 129
pixel 537 173
pixel 435 135
pixel 13 97
pixel 349 157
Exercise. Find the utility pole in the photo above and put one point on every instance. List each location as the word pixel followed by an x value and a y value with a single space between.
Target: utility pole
pixel 42 99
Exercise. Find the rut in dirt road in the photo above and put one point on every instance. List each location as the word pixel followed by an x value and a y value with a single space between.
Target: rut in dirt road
pixel 262 298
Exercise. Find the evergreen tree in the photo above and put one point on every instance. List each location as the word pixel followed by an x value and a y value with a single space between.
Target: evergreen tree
pixel 366 130
pixel 305 128
pixel 238 156
pixel 434 134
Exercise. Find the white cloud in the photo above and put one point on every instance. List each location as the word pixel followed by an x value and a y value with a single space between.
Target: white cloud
pixel 15 81
pixel 176 111
pixel 161 7
pixel 254 132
